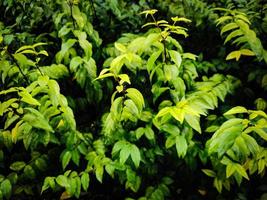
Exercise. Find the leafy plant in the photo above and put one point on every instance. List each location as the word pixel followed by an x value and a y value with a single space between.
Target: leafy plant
pixel 91 99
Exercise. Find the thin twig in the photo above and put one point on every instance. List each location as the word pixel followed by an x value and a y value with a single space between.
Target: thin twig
pixel 17 64
pixel 71 13
pixel 163 39
pixel 38 68
pixel 93 8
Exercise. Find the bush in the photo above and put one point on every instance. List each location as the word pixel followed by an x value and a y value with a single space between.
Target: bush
pixel 145 103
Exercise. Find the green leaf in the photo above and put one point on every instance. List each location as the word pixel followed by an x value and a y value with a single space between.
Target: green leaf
pixel 251 144
pixel 117 147
pixel 178 114
pixel 77 15
pixel 170 142
pixel 247 52
pixel 136 97
pixel 181 145
pixel 66 159
pixel 75 62
pixel 209 172
pixel 85 179
pixel 75 156
pixel 99 170
pixel 176 57
pixel 40 164
pixel 78 186
pixel 17 166
pixel 241 171
pixel 135 155
pixel 64 31
pixel 54 92
pixel 230 169
pixel 140 132
pixel 64 48
pixel 218 184
pixel 234 55
pixel 171 72
pixel 235 110
pixel 23 60
pixel 120 47
pixel 29 172
pixel 233 34
pixel 6 188
pixel 72 189
pixel 149 133
pixel 27 98
pixel 149 12
pixel 37 120
pixel 124 78
pixel 193 121
pixel 48 182
pixel 223 19
pixel 171 129
pixel 152 59
pixel 229 27
pixel 83 42
pixel 125 153
pixel 63 181
pixel 261 133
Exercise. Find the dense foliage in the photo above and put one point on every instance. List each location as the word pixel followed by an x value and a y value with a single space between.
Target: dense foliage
pixel 145 100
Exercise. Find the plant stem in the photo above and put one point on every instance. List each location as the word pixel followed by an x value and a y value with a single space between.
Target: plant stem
pixel 17 64
pixel 93 8
pixel 163 39
pixel 71 13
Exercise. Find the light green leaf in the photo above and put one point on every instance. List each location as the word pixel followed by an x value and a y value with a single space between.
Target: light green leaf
pixel 229 27
pixel 149 133
pixel 125 153
pixel 85 179
pixel 27 98
pixel 63 181
pixel 193 121
pixel 17 166
pixel 135 155
pixel 66 159
pixel 77 15
pixel 233 34
pixel 247 52
pixel 78 186
pixel 117 147
pixel 54 92
pixel 261 133
pixel 234 55
pixel 209 172
pixel 170 142
pixel 99 172
pixel 140 132
pixel 230 169
pixel 218 184
pixel 241 171
pixel 120 47
pixel 181 145
pixel 235 110
pixel 64 48
pixel 6 188
pixel 178 114
pixel 176 57
pixel 47 183
pixel 136 97
pixel 29 172
pixel 37 120
pixel 152 59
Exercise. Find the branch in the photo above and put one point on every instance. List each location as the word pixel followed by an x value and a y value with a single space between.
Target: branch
pixel 17 64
